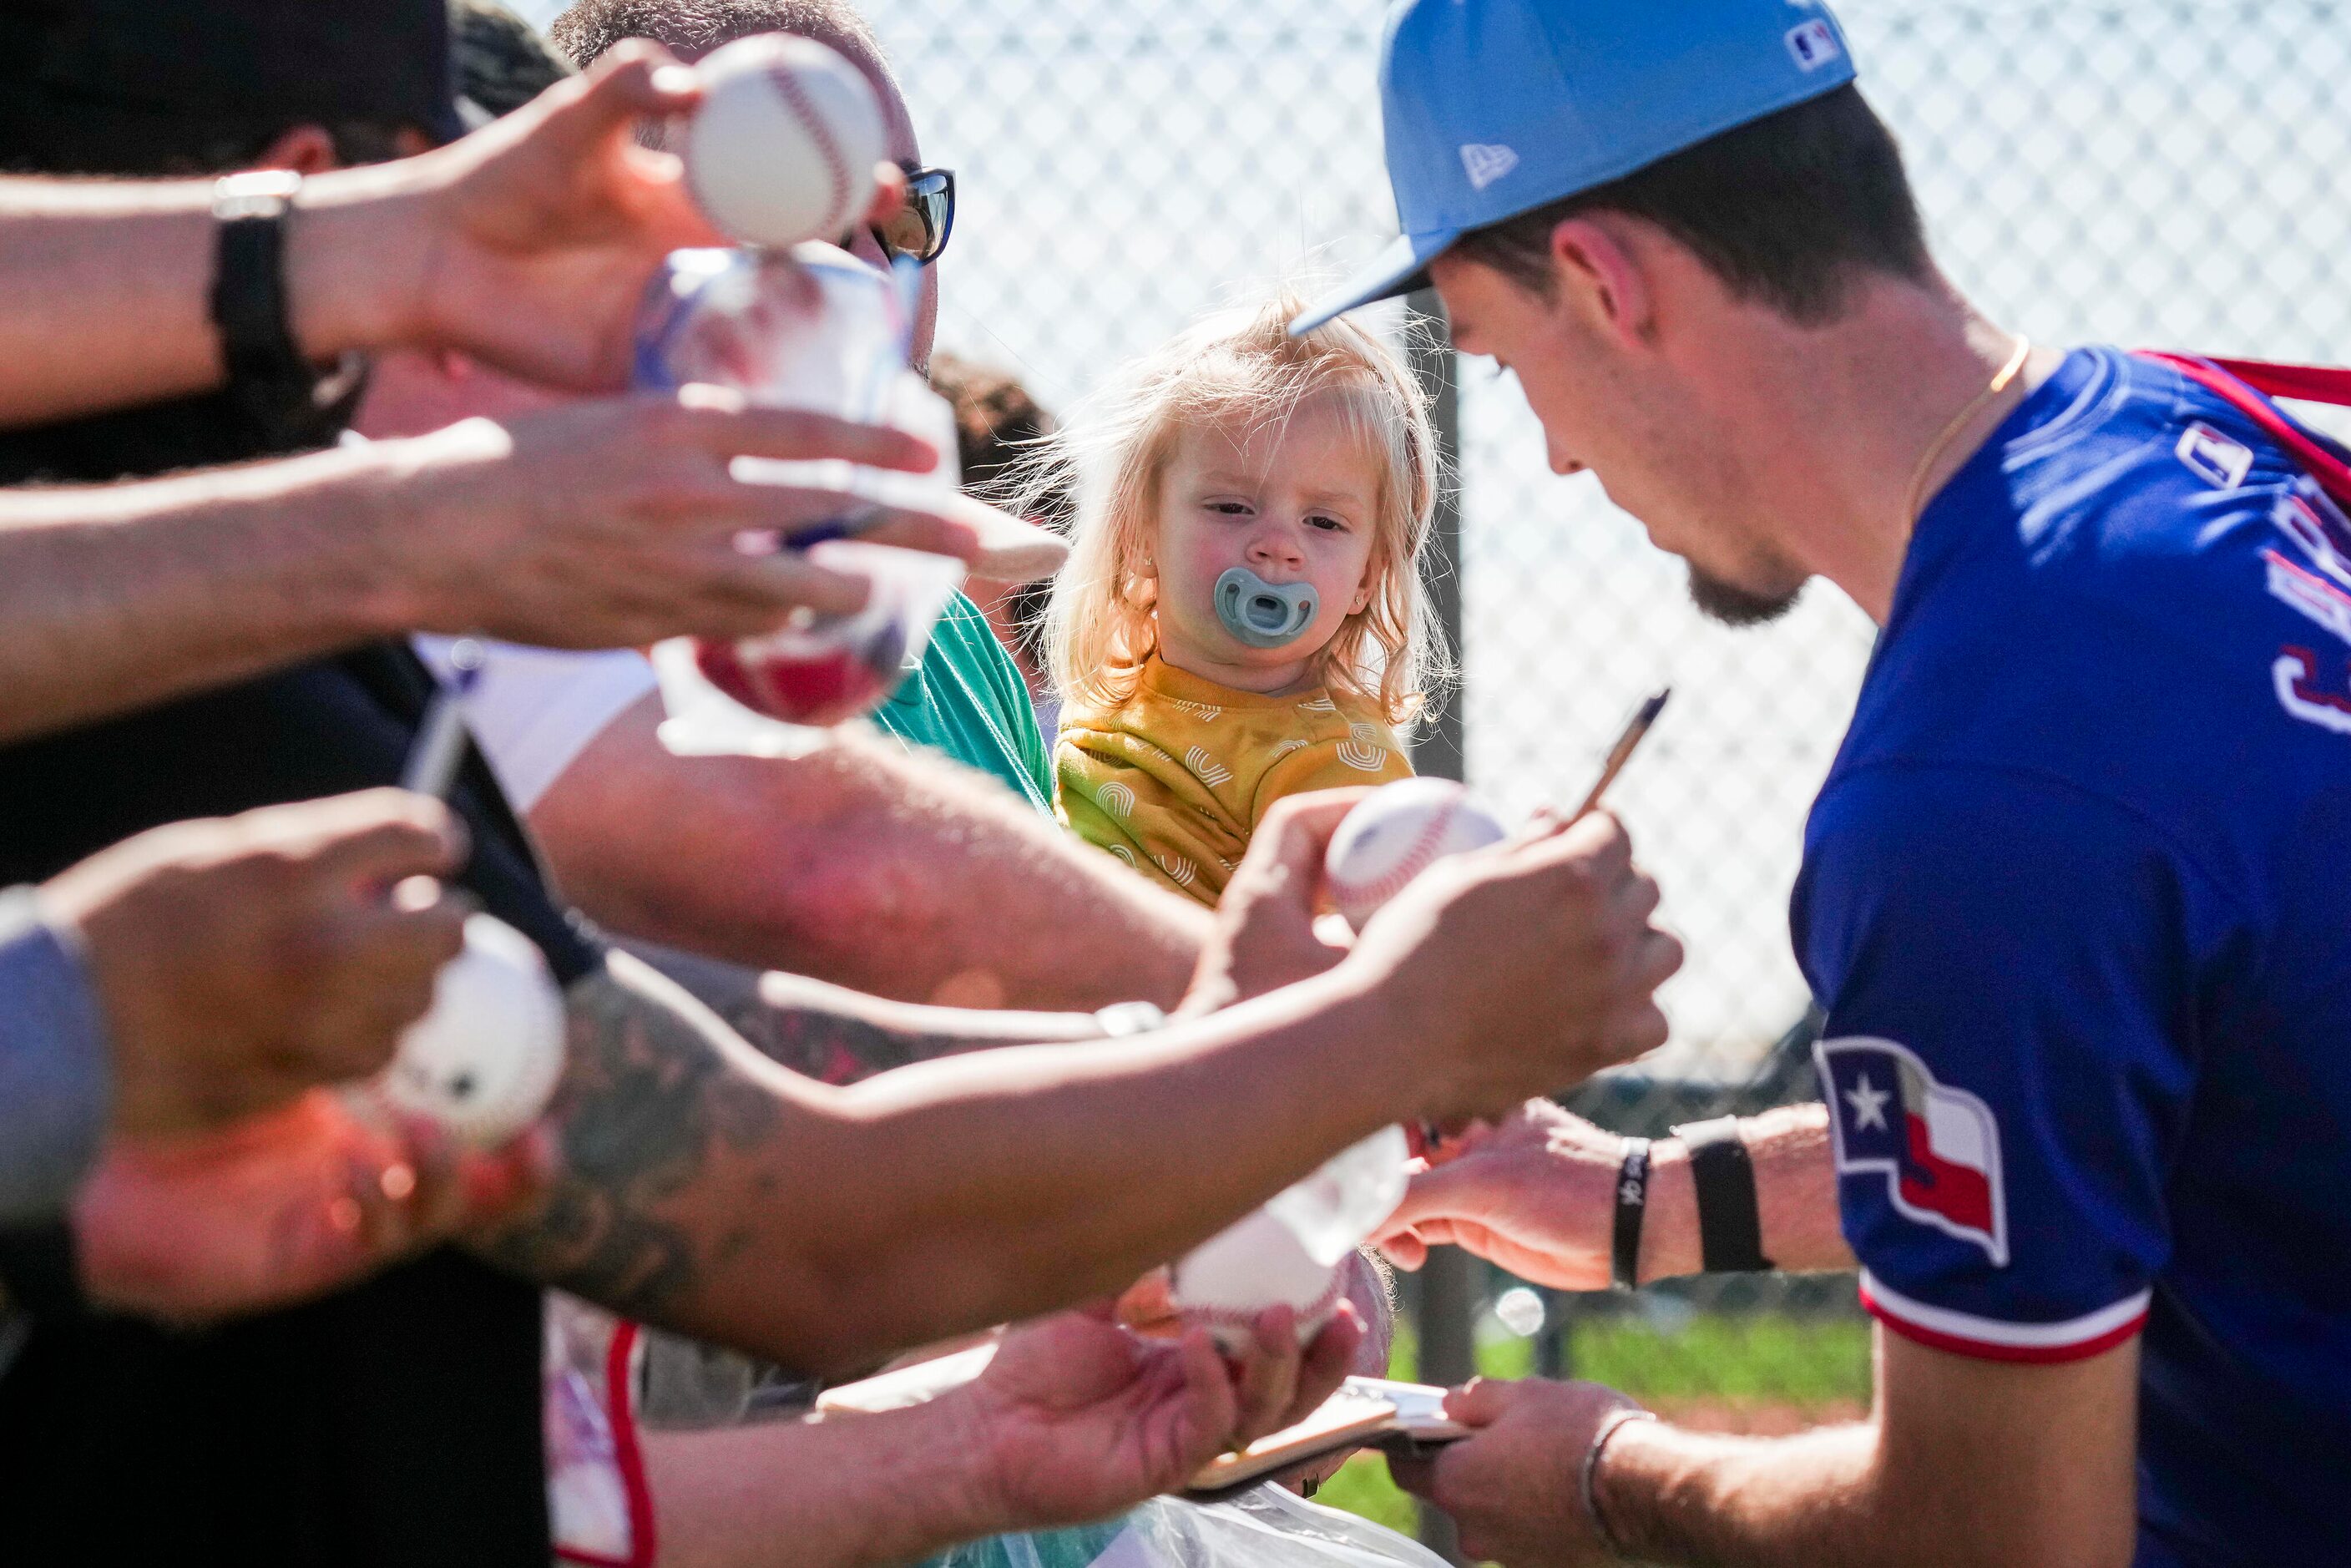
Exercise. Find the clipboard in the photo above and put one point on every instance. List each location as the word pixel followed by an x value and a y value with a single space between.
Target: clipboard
pixel 1365 1413
pixel 1405 1418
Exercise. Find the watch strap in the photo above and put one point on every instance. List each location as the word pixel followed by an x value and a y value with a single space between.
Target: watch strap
pixel 249 306
pixel 1632 1207
pixel 1722 1176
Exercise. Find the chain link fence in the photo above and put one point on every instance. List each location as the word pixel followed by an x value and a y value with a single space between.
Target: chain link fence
pixel 2165 174
pixel 2162 174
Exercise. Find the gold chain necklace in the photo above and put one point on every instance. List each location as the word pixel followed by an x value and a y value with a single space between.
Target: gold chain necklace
pixel 1912 500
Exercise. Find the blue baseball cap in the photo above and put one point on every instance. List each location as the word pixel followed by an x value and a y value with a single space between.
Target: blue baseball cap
pixel 1493 108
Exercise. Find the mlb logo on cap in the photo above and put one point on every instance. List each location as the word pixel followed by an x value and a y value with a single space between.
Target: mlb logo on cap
pixel 1493 108
pixel 1815 44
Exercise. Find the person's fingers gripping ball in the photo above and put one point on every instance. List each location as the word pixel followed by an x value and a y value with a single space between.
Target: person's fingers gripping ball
pixel 1267 933
pixel 1513 1486
pixel 1546 944
pixel 548 223
pixel 239 961
pixel 614 523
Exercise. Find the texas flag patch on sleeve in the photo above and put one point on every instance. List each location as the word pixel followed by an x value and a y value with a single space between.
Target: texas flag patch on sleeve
pixel 1920 1162
pixel 1937 1148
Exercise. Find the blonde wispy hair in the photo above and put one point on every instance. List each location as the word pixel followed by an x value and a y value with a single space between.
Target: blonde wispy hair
pixel 1241 371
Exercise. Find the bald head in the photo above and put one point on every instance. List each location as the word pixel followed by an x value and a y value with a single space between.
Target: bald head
pixel 691 28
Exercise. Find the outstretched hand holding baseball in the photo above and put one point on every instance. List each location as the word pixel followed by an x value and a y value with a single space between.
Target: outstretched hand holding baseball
pixel 1267 935
pixel 241 960
pixel 237 962
pixel 528 243
pixel 1518 970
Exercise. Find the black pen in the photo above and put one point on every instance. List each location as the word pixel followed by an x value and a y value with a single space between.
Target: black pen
pixel 1621 752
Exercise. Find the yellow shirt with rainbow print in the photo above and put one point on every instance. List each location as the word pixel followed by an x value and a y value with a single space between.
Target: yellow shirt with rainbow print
pixel 1175 779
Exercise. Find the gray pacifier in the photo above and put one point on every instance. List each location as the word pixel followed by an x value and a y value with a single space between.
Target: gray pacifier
pixel 1265 614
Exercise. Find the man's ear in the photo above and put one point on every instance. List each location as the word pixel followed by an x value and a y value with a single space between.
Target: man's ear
pixel 1601 276
pixel 305 149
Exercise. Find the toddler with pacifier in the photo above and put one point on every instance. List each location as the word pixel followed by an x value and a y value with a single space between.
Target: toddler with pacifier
pixel 1242 617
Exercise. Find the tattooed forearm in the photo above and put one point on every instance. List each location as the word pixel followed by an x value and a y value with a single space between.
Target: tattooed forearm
pixel 648 1099
pixel 666 1133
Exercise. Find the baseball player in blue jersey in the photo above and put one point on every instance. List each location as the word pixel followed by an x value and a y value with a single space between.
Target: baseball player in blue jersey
pixel 2075 893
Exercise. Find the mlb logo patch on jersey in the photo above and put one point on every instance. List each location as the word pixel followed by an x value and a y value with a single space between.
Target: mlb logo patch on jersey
pixel 1938 1147
pixel 2220 461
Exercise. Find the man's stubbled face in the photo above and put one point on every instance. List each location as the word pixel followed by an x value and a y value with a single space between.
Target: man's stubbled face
pixel 1640 438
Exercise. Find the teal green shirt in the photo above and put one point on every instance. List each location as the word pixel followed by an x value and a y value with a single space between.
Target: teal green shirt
pixel 967 701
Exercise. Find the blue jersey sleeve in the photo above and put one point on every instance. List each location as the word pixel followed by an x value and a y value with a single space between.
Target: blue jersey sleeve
pixel 2009 969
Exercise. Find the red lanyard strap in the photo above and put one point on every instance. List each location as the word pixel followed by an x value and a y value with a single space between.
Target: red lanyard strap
pixel 2241 382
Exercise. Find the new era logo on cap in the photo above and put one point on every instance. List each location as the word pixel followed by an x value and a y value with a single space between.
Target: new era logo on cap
pixel 1487 162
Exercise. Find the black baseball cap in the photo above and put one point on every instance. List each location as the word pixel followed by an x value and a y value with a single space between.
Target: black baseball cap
pixel 136 85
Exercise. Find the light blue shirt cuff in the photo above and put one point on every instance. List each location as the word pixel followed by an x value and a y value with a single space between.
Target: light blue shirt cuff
pixel 55 1082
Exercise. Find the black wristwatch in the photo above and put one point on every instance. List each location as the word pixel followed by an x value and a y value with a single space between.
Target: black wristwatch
pixel 248 299
pixel 1729 1225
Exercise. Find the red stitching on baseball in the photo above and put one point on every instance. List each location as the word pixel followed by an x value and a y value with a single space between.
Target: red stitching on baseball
pixel 1415 861
pixel 835 166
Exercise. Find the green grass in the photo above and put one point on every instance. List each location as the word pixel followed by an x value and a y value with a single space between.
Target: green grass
pixel 1362 1487
pixel 1740 1361
pixel 1746 1359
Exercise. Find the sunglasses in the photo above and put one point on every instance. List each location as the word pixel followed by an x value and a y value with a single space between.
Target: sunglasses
pixel 921 228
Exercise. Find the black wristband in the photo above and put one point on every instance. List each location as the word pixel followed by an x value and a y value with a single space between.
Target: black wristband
pixel 1730 1225
pixel 1632 1207
pixel 248 297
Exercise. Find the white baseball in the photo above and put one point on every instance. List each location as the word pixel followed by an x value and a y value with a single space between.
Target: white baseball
pixel 484 1059
pixel 783 147
pixel 1257 1262
pixel 1397 833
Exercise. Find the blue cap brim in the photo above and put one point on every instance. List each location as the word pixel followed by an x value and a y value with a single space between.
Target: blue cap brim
pixel 1397 270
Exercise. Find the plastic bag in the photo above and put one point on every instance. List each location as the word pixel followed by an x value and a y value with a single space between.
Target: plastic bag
pixel 1266 1528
